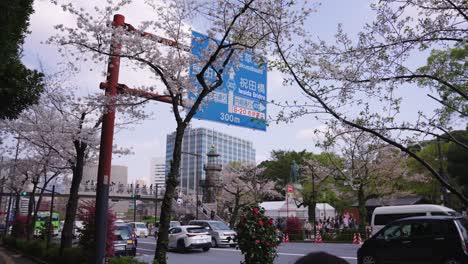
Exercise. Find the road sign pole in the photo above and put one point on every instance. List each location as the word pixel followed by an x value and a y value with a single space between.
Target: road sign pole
pixel 105 151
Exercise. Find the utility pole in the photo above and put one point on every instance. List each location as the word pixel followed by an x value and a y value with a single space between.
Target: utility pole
pixel 444 196
pixel 134 208
pixel 156 203
pixel 49 230
pixel 313 201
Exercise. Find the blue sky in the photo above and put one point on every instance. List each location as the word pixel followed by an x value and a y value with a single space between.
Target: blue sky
pixel 148 139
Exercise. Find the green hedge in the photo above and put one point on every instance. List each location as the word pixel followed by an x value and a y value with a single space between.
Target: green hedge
pixel 37 249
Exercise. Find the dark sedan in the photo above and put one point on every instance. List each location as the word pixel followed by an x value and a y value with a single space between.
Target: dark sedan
pixel 425 239
pixel 124 243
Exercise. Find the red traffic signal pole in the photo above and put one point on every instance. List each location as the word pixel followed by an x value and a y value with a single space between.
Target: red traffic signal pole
pixel 105 150
pixel 112 88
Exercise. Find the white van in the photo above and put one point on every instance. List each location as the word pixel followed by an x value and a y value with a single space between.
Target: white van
pixel 386 214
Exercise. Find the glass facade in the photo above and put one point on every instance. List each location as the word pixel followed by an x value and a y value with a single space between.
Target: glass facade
pixel 198 141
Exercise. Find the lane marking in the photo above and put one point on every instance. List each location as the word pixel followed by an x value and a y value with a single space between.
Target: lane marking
pixel 148 243
pixel 279 253
pixel 235 250
pixel 144 249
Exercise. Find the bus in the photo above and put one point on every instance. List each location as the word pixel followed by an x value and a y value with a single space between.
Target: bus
pixel 43 218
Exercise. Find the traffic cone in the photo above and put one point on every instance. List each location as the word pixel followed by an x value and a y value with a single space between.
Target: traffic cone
pixel 287 238
pixel 355 240
pixel 359 241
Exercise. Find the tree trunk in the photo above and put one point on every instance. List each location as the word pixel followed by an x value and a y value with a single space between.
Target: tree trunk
pixel 235 211
pixel 362 211
pixel 72 204
pixel 14 231
pixel 30 225
pixel 172 182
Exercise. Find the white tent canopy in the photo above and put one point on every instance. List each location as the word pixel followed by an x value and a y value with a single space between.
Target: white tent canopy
pixel 279 209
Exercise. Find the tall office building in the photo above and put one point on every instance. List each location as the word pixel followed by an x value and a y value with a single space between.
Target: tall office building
pixel 196 144
pixel 158 171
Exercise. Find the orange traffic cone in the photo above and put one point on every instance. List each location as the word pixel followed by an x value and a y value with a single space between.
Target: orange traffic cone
pixel 287 238
pixel 359 240
pixel 355 240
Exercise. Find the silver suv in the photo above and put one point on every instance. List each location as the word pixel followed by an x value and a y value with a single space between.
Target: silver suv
pixel 221 234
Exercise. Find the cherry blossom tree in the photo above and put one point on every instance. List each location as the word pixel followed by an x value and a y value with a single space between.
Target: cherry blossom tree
pixel 65 126
pixel 243 185
pixel 233 27
pixel 361 81
pixel 368 167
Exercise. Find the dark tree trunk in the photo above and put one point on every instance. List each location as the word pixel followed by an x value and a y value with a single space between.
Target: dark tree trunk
pixel 30 220
pixel 235 211
pixel 72 204
pixel 14 231
pixel 172 182
pixel 362 210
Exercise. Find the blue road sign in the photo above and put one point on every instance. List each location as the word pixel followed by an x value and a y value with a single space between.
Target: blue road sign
pixel 241 99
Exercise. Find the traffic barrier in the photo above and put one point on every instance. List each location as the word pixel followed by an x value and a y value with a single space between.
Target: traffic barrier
pixel 318 238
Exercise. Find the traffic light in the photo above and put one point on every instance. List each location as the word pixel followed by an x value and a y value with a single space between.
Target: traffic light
pixel 24 193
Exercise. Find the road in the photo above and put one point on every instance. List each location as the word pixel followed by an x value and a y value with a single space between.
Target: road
pixel 287 253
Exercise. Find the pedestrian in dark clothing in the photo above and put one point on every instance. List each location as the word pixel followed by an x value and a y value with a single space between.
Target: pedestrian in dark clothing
pixel 320 258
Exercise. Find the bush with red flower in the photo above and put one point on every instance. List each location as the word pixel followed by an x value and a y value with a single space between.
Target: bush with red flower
pixel 294 228
pixel 257 236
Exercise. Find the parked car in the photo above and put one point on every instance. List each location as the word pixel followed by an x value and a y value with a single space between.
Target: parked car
pixel 387 214
pixel 134 235
pixel 221 234
pixel 174 224
pixel 155 228
pixel 140 229
pixel 424 239
pixel 124 243
pixel 189 237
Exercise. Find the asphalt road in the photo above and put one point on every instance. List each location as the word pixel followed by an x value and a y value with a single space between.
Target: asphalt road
pixel 287 253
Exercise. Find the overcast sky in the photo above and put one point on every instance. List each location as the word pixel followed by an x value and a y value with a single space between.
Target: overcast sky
pixel 148 139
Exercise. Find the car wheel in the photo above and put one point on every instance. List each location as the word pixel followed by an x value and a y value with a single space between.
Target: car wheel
pixel 214 243
pixel 180 245
pixel 451 261
pixel 206 249
pixel 368 260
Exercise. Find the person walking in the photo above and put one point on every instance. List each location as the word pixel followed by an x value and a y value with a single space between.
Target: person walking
pixel 308 230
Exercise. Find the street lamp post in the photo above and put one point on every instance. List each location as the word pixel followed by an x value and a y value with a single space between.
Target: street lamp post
pixel 197 156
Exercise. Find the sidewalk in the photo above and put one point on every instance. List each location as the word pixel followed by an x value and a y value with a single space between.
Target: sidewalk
pixel 8 257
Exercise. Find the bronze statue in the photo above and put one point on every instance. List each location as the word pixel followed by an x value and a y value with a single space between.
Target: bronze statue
pixel 294 175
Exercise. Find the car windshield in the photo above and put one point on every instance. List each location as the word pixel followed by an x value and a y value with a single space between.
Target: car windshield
pixel 174 223
pixel 141 225
pixel 219 226
pixel 196 230
pixel 122 233
pixel 463 225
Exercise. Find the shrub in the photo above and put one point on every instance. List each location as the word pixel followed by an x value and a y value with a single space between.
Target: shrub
pixel 19 226
pixel 257 236
pixel 86 212
pixel 294 228
pixel 34 248
pixel 72 256
pixel 9 241
pixel 124 260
